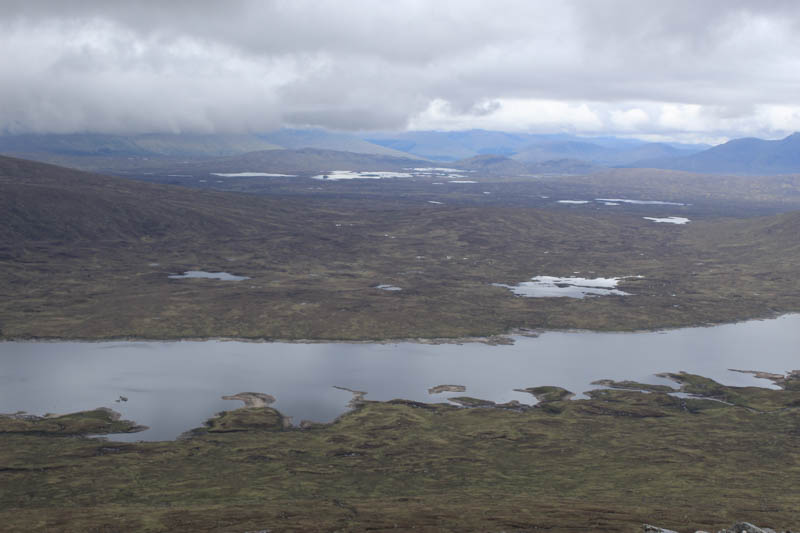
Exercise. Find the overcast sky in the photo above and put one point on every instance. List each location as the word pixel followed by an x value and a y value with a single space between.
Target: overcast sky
pixel 678 70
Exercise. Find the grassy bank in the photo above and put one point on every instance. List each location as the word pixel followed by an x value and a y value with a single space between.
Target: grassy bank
pixel 607 463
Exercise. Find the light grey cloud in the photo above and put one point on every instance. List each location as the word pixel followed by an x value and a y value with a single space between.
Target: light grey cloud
pixel 694 70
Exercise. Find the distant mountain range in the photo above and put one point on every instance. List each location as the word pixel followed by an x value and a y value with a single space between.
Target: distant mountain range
pixel 327 140
pixel 422 145
pixel 453 145
pixel 528 148
pixel 186 145
pixel 492 152
pixel 160 144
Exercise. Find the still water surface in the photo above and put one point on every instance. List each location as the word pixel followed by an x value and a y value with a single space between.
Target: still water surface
pixel 174 386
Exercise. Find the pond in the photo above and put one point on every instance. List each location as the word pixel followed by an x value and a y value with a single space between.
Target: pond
pixel 222 276
pixel 338 175
pixel 668 220
pixel 252 175
pixel 569 287
pixel 174 386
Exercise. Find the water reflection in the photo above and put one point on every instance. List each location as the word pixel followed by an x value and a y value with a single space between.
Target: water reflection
pixel 174 386
pixel 224 276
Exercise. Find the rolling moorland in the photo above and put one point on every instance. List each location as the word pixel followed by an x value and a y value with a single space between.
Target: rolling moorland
pixel 89 256
pixel 499 181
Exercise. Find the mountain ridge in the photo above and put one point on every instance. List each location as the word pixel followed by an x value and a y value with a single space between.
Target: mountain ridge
pixel 747 155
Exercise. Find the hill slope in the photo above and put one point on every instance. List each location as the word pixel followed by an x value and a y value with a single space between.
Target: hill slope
pixel 302 161
pixel 41 202
pixel 492 165
pixel 109 153
pixel 326 140
pixel 739 156
pixel 458 145
pixel 452 145
pixel 498 165
pixel 598 154
pixel 89 256
pixel 99 145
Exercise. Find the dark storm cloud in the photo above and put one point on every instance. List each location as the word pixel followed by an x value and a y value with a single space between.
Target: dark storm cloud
pixel 711 68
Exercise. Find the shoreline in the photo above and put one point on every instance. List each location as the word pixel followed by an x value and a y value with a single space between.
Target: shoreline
pixel 500 339
pixel 683 383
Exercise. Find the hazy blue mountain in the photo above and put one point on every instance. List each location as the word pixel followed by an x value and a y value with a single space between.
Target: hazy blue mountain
pixel 526 147
pixel 613 143
pixel 652 151
pixel 492 165
pixel 499 165
pixel 98 151
pixel 202 145
pixel 739 156
pixel 607 153
pixel 563 167
pixel 327 140
pixel 453 145
pixel 186 145
pixel 155 144
pixel 550 150
pixel 303 161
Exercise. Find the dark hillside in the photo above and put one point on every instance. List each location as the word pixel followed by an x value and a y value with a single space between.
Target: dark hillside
pixel 45 202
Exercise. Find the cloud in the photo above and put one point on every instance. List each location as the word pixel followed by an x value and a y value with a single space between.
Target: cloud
pixel 627 120
pixel 707 69
pixel 531 115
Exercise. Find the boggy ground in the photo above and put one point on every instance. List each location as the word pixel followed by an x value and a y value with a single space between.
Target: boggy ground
pixel 608 463
pixel 87 256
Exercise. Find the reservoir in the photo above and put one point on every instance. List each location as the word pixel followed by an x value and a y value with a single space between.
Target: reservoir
pixel 174 386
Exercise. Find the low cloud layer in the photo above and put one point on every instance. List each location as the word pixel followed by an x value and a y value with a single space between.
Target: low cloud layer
pixel 681 70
